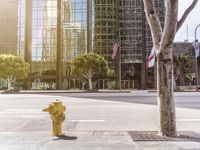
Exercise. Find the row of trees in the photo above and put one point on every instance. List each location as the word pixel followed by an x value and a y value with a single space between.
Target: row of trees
pixel 81 66
pixel 85 66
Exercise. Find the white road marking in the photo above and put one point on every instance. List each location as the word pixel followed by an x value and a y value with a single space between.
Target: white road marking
pixel 188 120
pixel 86 120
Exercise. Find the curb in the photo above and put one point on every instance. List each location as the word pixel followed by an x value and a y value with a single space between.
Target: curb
pixel 65 91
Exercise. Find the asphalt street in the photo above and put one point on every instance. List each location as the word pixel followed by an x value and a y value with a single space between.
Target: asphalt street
pixel 182 99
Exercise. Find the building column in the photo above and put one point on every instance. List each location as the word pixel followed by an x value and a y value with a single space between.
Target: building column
pixel 28 40
pixel 143 64
pixel 59 58
pixel 89 26
pixel 118 63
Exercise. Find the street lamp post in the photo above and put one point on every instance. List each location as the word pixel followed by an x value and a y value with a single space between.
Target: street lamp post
pixel 197 76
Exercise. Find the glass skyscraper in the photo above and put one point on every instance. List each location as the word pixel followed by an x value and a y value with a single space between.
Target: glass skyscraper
pixel 124 19
pixel 87 25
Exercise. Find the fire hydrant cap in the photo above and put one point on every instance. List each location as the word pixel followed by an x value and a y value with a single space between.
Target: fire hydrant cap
pixel 57 102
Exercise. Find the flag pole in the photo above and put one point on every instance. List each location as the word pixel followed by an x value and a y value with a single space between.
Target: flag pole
pixel 119 64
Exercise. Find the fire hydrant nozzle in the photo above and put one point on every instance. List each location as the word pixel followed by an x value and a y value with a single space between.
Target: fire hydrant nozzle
pixel 57 112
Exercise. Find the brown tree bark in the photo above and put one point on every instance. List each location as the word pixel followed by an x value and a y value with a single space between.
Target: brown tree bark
pixel 167 116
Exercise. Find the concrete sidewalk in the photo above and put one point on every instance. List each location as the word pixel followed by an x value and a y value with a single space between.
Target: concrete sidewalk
pixel 83 140
pixel 89 140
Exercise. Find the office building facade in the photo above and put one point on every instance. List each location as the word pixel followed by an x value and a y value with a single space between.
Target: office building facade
pixel 125 19
pixel 87 25
pixel 8 26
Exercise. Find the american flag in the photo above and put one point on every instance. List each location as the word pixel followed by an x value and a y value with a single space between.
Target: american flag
pixel 151 58
pixel 115 48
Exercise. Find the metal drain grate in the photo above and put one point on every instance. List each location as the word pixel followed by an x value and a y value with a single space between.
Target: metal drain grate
pixel 153 136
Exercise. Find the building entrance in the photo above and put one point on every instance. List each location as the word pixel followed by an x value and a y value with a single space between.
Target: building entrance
pixel 103 84
pixel 128 84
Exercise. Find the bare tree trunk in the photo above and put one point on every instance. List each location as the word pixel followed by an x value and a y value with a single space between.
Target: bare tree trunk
pixel 9 85
pixel 90 83
pixel 174 83
pixel 163 38
pixel 83 85
pixel 165 94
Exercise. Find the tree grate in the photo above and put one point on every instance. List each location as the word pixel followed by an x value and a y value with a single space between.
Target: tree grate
pixel 154 136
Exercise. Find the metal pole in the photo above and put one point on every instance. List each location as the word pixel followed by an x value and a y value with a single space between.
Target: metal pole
pixel 119 63
pixel 196 61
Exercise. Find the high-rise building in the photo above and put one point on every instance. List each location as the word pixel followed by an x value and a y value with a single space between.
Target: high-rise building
pixel 44 34
pixel 91 25
pixel 48 34
pixel 74 37
pixel 124 19
pixel 8 26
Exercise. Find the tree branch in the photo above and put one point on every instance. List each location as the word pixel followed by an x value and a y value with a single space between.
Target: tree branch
pixel 13 80
pixel 186 13
pixel 171 14
pixel 88 74
pixel 154 22
pixel 85 75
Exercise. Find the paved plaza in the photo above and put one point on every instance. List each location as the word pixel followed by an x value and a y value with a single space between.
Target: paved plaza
pixel 94 121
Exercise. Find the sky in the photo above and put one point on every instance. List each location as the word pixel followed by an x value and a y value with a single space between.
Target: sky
pixel 192 21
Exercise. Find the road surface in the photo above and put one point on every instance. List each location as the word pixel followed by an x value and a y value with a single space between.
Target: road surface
pixel 97 111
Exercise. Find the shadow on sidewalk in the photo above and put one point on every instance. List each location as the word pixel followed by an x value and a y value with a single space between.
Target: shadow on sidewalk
pixel 189 136
pixel 65 137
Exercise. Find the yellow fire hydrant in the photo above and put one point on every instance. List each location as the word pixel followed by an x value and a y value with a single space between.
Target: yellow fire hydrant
pixel 57 112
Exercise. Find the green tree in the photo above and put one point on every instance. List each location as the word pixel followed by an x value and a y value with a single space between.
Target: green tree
pixel 182 65
pixel 12 68
pixel 87 65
